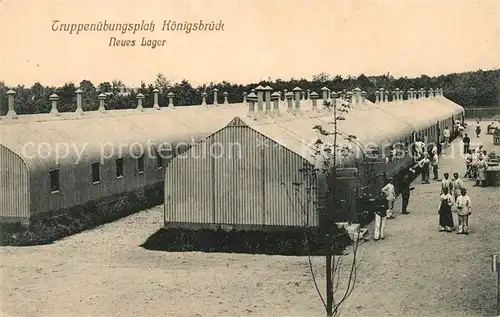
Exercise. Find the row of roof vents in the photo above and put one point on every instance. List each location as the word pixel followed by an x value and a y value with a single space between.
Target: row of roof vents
pixel 259 95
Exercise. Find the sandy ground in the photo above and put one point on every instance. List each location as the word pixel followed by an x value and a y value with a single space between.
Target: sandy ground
pixel 416 271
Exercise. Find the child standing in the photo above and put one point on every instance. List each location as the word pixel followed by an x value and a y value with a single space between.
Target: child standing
pixel 463 205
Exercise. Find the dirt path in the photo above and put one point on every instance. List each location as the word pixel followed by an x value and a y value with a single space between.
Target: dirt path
pixel 420 271
pixel 415 271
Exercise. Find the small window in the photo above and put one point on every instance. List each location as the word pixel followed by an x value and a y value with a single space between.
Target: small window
pixel 119 168
pixel 96 175
pixel 159 161
pixel 54 181
pixel 140 164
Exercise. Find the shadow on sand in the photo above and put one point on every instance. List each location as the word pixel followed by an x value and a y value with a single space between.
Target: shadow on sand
pixel 250 242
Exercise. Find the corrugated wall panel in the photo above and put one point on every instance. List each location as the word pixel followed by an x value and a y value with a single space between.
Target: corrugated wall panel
pixel 14 185
pixel 249 183
pixel 79 176
pixel 238 177
pixel 286 204
pixel 189 187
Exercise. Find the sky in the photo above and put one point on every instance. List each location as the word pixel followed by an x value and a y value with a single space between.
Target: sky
pixel 260 39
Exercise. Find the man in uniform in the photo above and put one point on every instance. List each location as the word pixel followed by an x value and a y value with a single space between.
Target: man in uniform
pixel 405 194
pixel 466 141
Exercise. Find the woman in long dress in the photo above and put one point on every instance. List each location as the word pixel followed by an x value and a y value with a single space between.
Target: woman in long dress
pixel 445 214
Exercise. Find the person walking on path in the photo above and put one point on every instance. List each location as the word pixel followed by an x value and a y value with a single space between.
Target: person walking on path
pixel 456 185
pixel 481 167
pixel 435 166
pixel 446 183
pixel 406 188
pixel 466 142
pixel 380 216
pixel 463 206
pixel 444 211
pixel 446 134
pixel 390 195
pixel 478 129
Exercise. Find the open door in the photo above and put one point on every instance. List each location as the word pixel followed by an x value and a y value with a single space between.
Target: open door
pixel 347 194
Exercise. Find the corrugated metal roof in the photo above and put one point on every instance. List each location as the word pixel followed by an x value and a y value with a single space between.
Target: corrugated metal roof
pixel 97 131
pixel 370 123
pixel 456 108
pixel 420 113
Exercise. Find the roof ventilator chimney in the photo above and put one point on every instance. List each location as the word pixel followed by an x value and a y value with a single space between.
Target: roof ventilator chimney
pixel 170 96
pixel 260 99
pixel 156 105
pixel 412 93
pixel 204 99
pixel 363 98
pixel 216 102
pixel 53 99
pixel 314 97
pixel 275 97
pixel 297 92
pixel 267 96
pixel 289 101
pixel 140 97
pixel 399 97
pixel 252 98
pixel 349 98
pixel 382 94
pixel 79 108
pixel 11 113
pixel 357 96
pixel 102 98
pixel 324 93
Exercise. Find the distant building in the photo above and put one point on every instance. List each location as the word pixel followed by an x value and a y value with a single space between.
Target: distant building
pixel 256 182
pixel 103 169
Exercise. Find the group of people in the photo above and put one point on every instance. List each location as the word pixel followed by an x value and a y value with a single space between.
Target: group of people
pixel 454 198
pixel 426 162
pixel 385 204
pixel 476 163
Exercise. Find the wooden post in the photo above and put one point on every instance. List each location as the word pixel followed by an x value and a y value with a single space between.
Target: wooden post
pixel 495 267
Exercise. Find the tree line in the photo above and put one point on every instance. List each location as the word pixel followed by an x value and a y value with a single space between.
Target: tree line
pixel 478 89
